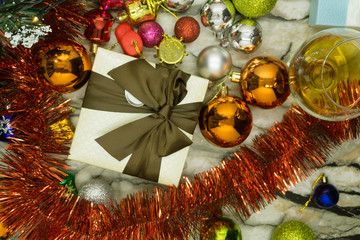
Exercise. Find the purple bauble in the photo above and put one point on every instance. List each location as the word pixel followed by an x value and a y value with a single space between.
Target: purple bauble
pixel 151 33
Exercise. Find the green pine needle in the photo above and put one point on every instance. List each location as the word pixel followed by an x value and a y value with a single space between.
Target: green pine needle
pixel 17 13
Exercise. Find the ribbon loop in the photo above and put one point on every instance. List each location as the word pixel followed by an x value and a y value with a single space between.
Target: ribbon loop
pixel 147 139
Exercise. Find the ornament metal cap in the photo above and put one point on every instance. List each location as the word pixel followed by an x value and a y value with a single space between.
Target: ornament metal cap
pixel 235 77
pixel 324 179
pixel 94 47
pixel 122 17
pixel 223 90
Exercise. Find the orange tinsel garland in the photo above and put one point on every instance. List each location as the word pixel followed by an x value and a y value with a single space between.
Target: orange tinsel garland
pixel 34 204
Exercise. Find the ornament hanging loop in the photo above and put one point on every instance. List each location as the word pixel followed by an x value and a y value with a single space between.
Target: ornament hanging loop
pixel 324 180
pixel 221 90
pixel 169 11
pixel 138 50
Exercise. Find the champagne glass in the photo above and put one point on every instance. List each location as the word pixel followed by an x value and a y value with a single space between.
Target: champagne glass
pixel 325 75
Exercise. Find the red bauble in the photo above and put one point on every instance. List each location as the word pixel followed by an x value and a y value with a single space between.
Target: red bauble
pixel 99 29
pixel 187 28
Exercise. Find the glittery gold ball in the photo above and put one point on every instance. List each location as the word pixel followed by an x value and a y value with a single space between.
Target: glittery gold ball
pixel 254 8
pixel 225 121
pixel 293 230
pixel 265 82
pixel 220 229
pixel 66 65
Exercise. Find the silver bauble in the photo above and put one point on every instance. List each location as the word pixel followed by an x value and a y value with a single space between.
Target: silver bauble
pixel 97 191
pixel 217 14
pixel 214 63
pixel 245 36
pixel 178 5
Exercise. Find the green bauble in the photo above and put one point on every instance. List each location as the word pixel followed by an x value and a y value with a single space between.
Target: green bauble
pixel 220 229
pixel 293 230
pixel 254 8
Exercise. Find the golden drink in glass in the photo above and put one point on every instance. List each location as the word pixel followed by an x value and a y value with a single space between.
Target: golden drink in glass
pixel 325 75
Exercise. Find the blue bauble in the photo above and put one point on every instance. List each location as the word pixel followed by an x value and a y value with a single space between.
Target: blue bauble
pixel 326 195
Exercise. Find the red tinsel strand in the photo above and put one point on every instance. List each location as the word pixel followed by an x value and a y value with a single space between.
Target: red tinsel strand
pixel 282 156
pixel 196 198
pixel 34 104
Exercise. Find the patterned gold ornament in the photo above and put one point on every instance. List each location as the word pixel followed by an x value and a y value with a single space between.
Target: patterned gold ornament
pixel 225 121
pixel 254 8
pixel 66 65
pixel 293 230
pixel 171 50
pixel 264 82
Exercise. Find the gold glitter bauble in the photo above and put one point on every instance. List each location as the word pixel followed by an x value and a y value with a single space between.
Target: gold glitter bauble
pixel 66 65
pixel 63 130
pixel 220 229
pixel 254 8
pixel 265 82
pixel 226 121
pixel 293 230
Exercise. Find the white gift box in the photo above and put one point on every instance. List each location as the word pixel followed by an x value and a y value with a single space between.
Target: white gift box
pixel 95 123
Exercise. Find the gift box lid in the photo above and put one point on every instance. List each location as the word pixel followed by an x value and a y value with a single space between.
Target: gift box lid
pixel 343 13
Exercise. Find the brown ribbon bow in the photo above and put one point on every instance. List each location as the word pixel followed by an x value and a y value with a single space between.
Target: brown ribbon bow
pixel 155 136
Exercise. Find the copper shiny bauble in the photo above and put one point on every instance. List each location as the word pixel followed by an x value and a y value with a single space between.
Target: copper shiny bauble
pixel 226 121
pixel 65 65
pixel 4 231
pixel 265 82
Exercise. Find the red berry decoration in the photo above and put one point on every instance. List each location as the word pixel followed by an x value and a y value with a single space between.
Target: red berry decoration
pixel 187 28
pixel 122 29
pixel 129 40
